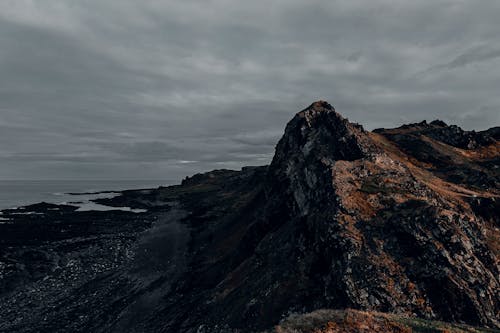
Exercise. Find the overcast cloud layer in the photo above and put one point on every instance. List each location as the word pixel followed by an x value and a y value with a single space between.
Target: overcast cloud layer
pixel 162 89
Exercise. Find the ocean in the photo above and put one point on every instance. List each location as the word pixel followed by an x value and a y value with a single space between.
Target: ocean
pixel 15 193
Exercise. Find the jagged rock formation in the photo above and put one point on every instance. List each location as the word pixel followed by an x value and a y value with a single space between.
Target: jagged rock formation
pixel 354 219
pixel 403 220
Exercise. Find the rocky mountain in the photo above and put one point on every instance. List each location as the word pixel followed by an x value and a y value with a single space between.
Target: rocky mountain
pixel 402 221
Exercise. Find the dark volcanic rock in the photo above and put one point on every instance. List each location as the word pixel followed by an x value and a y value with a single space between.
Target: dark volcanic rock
pixel 402 220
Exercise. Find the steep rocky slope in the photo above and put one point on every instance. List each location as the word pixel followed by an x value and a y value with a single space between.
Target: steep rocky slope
pixel 404 221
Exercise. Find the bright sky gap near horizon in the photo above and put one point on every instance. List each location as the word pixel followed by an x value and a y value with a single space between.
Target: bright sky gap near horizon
pixel 108 89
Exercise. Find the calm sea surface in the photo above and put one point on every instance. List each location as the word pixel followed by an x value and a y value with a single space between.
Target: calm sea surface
pixel 15 193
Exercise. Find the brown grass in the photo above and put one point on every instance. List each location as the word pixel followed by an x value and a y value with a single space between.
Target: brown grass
pixel 353 321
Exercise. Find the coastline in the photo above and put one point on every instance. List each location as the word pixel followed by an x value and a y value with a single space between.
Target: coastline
pixel 17 193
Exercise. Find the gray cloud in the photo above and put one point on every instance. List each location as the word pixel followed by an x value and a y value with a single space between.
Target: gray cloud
pixel 475 55
pixel 162 89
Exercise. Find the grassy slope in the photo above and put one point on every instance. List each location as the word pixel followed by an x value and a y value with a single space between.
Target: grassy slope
pixel 330 321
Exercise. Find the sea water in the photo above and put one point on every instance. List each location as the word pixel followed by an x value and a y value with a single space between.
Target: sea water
pixel 16 193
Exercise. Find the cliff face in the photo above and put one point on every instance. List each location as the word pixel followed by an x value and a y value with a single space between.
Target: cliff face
pixel 390 220
pixel 403 220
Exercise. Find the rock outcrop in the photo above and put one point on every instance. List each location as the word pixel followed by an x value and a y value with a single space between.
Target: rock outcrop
pixel 401 221
pixel 355 219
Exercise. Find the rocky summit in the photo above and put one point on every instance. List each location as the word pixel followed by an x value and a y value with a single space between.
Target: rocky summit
pixel 393 223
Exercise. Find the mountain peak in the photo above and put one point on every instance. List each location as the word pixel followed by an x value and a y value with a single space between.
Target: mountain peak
pixel 313 141
pixel 320 105
pixel 321 133
pixel 319 111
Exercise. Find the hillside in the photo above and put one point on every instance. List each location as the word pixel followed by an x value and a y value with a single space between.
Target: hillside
pixel 401 220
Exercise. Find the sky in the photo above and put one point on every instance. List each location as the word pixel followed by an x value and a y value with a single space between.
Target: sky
pixel 126 89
